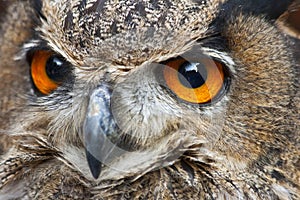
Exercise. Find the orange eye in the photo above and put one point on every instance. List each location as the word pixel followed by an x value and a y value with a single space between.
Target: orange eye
pixel 46 71
pixel 195 82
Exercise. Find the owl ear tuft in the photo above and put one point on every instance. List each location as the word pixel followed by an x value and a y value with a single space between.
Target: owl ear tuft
pixel 289 21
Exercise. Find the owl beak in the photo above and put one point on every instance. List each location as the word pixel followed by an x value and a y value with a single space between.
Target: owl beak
pixel 99 127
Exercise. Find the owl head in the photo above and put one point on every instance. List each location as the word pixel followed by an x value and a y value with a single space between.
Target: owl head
pixel 119 89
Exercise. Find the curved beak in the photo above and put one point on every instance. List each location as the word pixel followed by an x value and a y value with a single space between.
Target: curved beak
pixel 99 127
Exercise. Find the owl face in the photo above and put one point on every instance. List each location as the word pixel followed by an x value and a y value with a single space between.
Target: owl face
pixel 134 82
pixel 135 86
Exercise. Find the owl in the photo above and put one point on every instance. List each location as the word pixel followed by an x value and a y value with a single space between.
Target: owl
pixel 113 99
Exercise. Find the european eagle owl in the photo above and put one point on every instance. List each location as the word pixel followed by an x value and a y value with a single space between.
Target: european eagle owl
pixel 150 99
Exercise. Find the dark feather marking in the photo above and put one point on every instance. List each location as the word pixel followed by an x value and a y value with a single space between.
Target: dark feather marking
pixel 140 8
pixel 97 7
pixel 82 4
pixel 188 169
pixel 277 175
pixel 37 6
pixel 68 21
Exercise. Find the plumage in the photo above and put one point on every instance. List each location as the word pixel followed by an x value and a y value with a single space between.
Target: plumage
pixel 149 99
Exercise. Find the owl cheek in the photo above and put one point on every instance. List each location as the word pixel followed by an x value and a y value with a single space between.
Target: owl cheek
pixel 141 112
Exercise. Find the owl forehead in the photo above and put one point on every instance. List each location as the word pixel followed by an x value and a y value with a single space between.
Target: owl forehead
pixel 127 32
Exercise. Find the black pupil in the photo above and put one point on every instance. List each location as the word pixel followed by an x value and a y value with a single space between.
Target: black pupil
pixel 192 75
pixel 55 69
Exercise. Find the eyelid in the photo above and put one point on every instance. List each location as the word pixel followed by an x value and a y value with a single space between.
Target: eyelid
pixel 222 57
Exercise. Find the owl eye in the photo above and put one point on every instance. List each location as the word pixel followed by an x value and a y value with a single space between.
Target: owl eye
pixel 197 82
pixel 47 71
